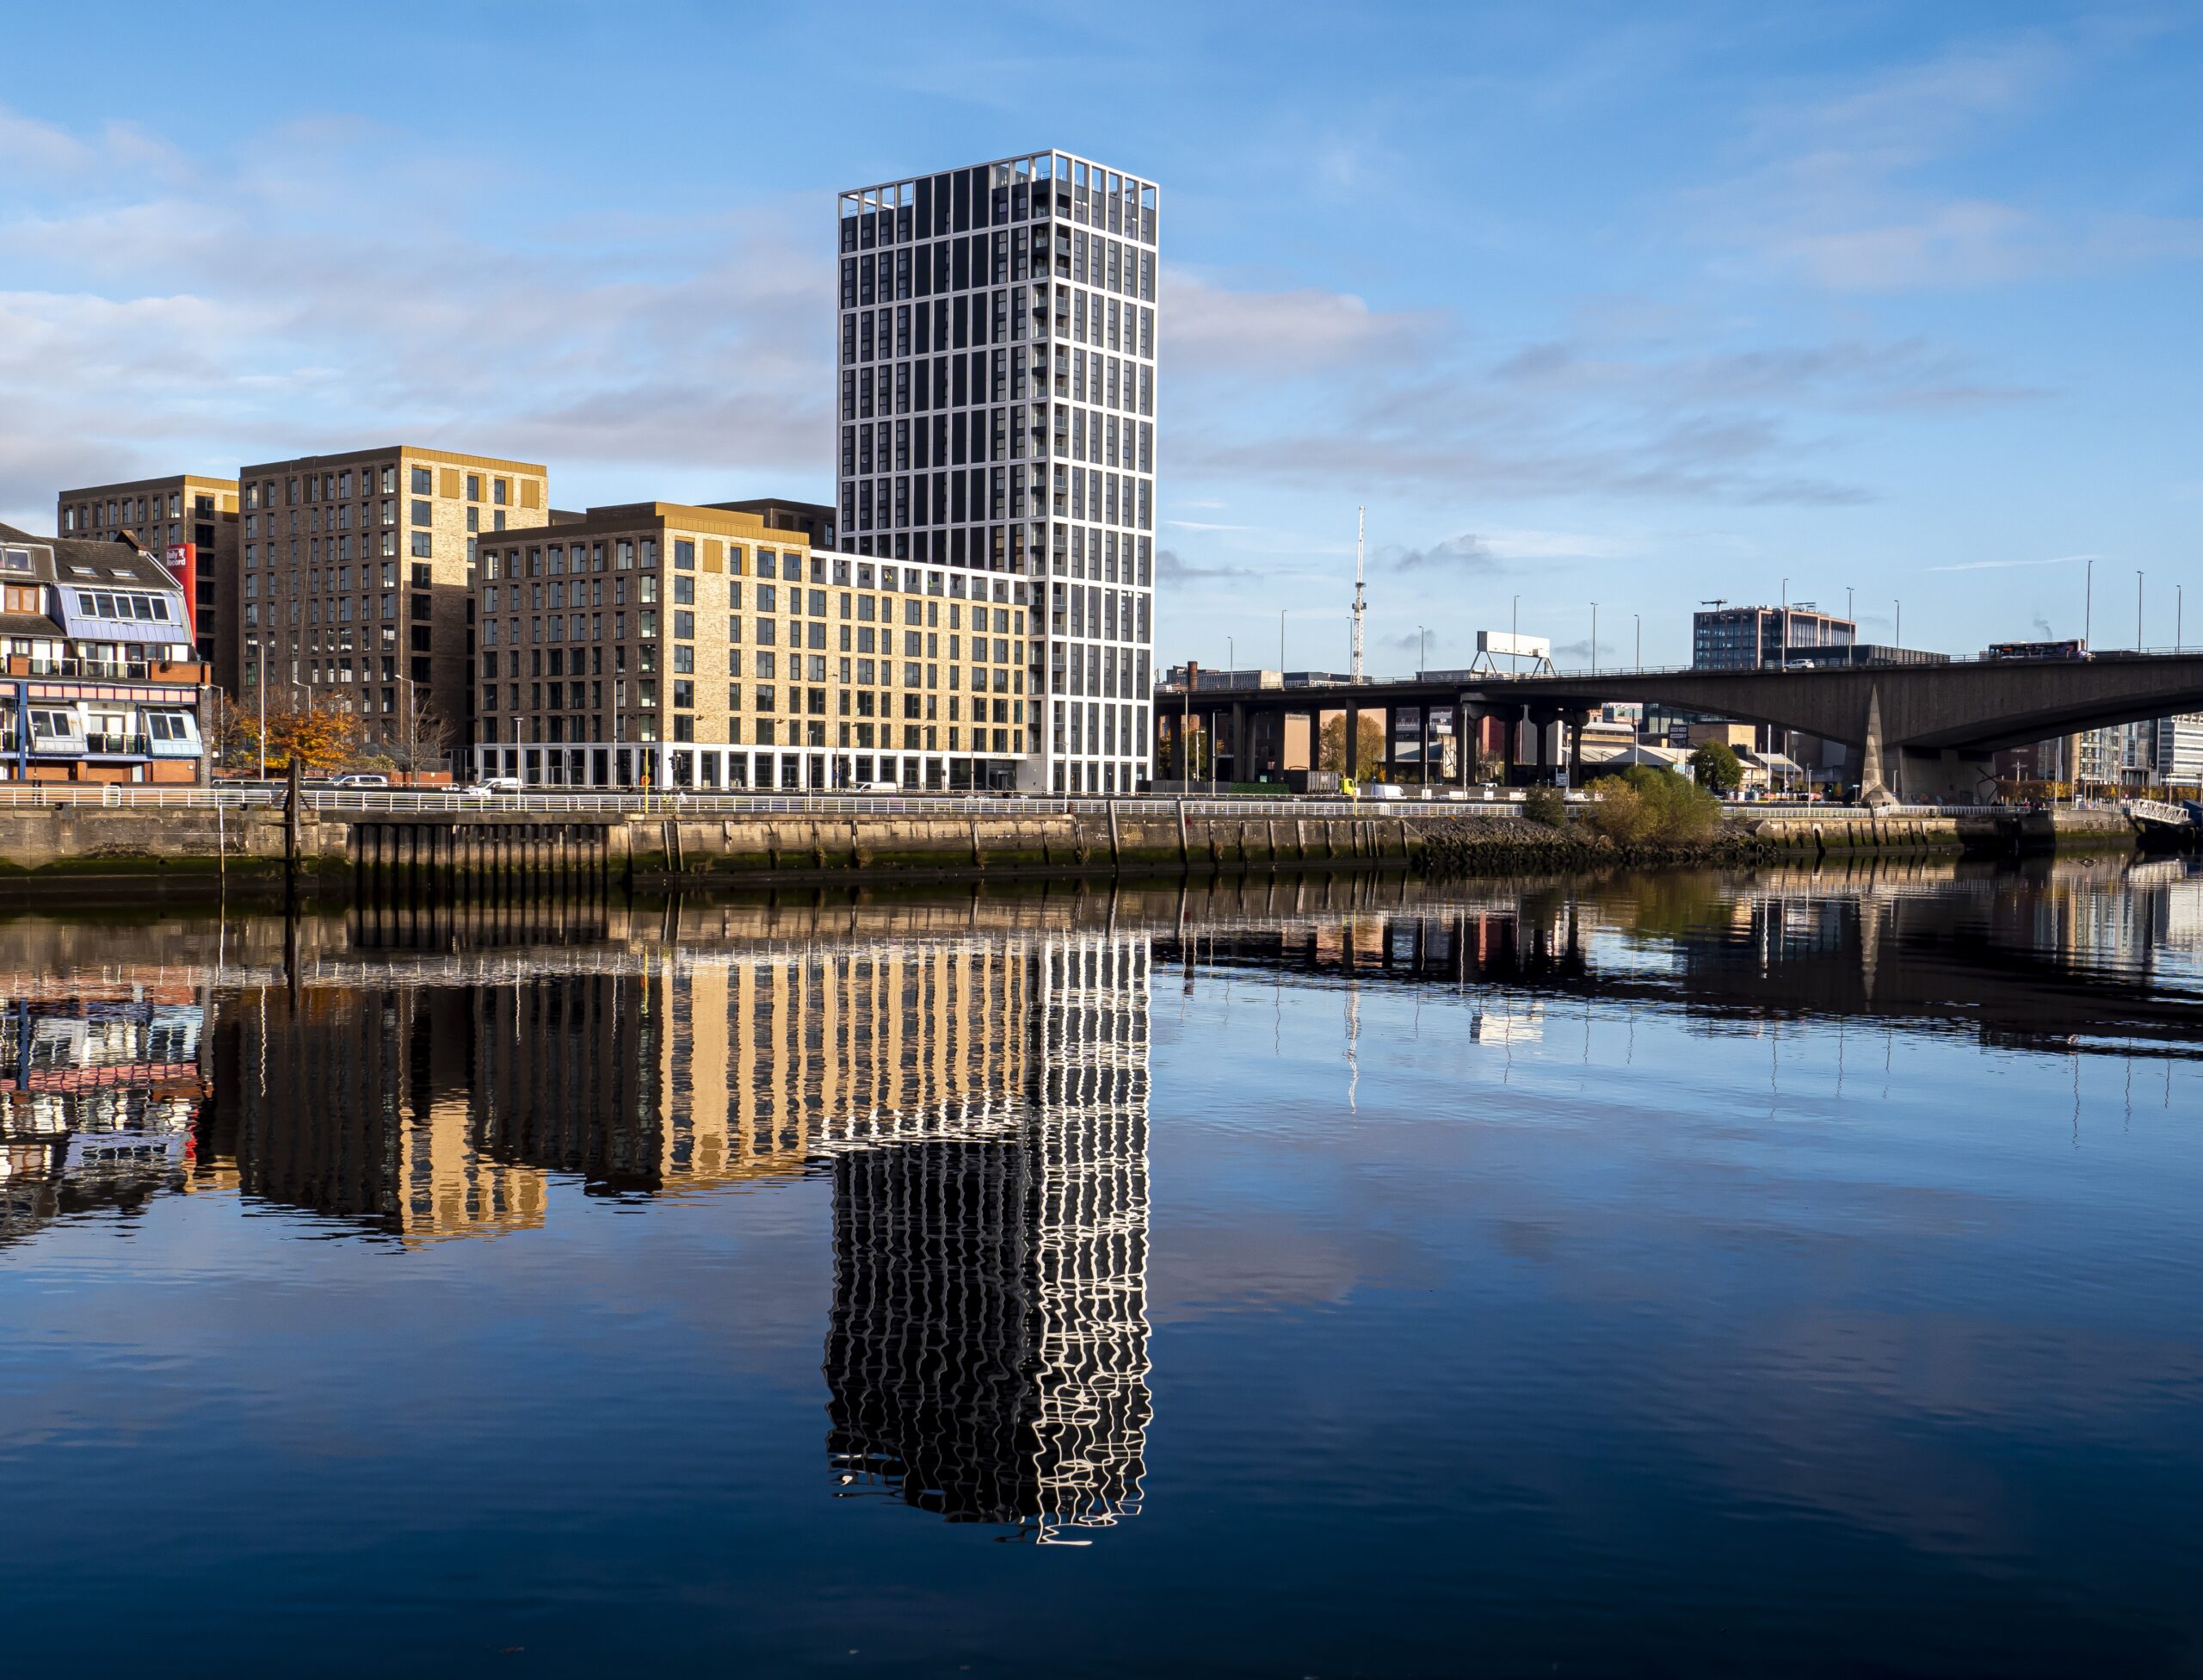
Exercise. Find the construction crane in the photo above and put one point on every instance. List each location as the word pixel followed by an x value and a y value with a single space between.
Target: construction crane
pixel 1360 604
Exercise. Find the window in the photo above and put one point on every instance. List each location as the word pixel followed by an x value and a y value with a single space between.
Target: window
pixel 423 546
pixel 424 484
pixel 474 486
pixel 684 626
pixel 684 554
pixel 168 726
pixel 422 515
pixel 684 592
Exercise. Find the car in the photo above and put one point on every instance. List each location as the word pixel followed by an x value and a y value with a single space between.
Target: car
pixel 361 778
pixel 873 788
pixel 491 787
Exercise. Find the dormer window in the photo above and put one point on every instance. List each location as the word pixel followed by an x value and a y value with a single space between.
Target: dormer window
pixel 14 559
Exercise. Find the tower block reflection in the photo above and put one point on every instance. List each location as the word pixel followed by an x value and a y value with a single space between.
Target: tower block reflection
pixel 987 1356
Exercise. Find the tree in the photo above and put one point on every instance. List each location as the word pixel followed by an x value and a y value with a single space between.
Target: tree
pixel 1330 752
pixel 1647 806
pixel 1717 768
pixel 321 733
pixel 1548 806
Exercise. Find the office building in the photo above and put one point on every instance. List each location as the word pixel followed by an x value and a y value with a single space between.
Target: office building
pixel 1726 637
pixel 356 577
pixel 657 645
pixel 2179 751
pixel 996 394
pixel 190 524
pixel 105 681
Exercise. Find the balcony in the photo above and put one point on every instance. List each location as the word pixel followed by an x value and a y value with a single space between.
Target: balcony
pixel 187 672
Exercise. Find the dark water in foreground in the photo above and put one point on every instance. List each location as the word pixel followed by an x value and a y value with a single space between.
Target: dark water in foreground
pixel 1796 1273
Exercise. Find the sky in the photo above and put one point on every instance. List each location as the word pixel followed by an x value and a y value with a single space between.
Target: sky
pixel 1635 304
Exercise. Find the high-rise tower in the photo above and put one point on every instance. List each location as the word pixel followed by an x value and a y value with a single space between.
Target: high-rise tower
pixel 996 396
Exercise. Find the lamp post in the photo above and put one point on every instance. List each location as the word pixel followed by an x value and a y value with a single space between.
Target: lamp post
pixel 260 651
pixel 1898 630
pixel 2137 612
pixel 1514 631
pixel 2087 600
pixel 1281 643
pixel 1594 639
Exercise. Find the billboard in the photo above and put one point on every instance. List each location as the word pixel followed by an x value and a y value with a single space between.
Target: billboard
pixel 183 566
pixel 1507 644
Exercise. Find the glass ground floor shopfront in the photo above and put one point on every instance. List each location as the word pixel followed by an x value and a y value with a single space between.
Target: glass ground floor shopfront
pixel 714 768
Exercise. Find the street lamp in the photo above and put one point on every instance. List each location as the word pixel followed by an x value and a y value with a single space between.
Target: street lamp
pixel 1639 655
pixel 2137 612
pixel 1281 643
pixel 2088 600
pixel 1898 630
pixel 1594 639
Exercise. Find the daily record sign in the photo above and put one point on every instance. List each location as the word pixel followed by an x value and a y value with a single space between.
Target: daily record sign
pixel 1521 647
pixel 184 566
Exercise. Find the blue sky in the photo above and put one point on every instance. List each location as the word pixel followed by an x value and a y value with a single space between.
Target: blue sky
pixel 1631 303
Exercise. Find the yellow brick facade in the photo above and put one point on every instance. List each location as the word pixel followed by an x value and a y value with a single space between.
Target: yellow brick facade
pixel 663 645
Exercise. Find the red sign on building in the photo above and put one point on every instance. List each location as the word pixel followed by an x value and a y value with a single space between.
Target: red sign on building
pixel 183 565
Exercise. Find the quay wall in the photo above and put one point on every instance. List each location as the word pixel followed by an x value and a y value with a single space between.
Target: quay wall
pixel 93 846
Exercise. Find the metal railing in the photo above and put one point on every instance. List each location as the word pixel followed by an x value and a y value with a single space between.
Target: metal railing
pixel 551 802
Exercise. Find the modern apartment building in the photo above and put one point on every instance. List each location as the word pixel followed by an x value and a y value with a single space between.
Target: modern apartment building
pixel 190 523
pixel 1750 638
pixel 996 396
pixel 103 681
pixel 356 582
pixel 2179 746
pixel 659 644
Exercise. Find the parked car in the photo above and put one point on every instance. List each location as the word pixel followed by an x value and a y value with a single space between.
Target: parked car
pixel 874 787
pixel 490 786
pixel 361 778
pixel 1384 790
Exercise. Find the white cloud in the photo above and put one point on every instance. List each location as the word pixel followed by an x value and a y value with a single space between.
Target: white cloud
pixel 262 328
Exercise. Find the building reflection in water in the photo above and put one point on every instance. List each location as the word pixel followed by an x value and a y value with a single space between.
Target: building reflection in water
pixel 103 1085
pixel 987 1359
pixel 980 1104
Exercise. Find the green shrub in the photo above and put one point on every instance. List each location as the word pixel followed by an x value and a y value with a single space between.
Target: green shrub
pixel 1547 806
pixel 1648 807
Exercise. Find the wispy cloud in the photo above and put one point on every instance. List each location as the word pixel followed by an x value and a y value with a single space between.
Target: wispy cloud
pixel 2008 565
pixel 1172 568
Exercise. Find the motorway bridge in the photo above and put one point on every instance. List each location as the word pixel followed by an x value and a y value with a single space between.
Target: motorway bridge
pixel 1922 734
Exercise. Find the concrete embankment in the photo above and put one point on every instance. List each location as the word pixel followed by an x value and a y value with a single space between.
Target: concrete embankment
pixel 94 848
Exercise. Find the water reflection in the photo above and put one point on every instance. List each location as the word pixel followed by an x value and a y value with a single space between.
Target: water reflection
pixel 980 1102
pixel 970 1078
pixel 2071 958
pixel 104 1087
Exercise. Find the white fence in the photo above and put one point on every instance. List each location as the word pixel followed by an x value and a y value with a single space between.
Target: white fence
pixel 544 801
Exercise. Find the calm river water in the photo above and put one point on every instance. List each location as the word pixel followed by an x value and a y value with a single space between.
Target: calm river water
pixel 1688 1274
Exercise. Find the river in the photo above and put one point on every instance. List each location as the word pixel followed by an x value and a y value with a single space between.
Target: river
pixel 1690 1273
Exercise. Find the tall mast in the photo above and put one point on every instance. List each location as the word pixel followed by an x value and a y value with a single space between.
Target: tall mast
pixel 1360 604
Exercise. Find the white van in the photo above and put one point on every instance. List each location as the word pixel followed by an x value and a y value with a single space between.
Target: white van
pixel 491 787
